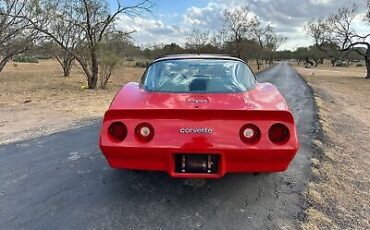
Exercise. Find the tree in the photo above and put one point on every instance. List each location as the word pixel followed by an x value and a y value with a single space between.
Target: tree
pixel 268 41
pixel 300 54
pixel 239 24
pixel 67 34
pixel 285 55
pixel 94 18
pixel 250 50
pixel 316 55
pixel 272 42
pixel 197 40
pixel 220 40
pixel 172 48
pixel 109 58
pixel 65 59
pixel 337 30
pixel 15 33
pixel 122 43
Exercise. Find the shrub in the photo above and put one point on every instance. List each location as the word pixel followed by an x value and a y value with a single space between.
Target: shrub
pixel 41 57
pixel 341 64
pixel 143 64
pixel 359 65
pixel 108 61
pixel 25 59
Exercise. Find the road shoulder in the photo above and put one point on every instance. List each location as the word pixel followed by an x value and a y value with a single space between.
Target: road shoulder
pixel 338 194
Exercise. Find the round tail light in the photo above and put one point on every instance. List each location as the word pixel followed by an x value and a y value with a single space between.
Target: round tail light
pixel 250 134
pixel 118 131
pixel 144 131
pixel 279 134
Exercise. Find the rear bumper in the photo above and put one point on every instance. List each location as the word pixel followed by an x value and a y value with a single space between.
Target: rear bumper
pixel 230 160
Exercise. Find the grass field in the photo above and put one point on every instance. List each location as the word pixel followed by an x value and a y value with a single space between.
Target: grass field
pixel 339 192
pixel 36 99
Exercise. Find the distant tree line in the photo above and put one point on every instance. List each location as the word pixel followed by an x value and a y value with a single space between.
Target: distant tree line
pixel 312 56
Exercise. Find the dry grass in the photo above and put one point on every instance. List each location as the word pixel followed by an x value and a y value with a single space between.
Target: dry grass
pixel 43 84
pixel 36 99
pixel 339 192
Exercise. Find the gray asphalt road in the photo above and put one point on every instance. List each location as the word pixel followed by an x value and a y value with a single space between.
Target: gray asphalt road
pixel 62 182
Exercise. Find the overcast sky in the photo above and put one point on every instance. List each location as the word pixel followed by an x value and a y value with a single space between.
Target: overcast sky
pixel 173 20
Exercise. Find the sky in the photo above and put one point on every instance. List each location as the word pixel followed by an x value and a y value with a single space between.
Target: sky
pixel 173 20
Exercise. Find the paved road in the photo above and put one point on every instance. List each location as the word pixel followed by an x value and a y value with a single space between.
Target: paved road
pixel 62 182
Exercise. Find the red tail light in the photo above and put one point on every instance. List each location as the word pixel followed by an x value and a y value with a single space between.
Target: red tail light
pixel 144 131
pixel 250 134
pixel 118 131
pixel 279 134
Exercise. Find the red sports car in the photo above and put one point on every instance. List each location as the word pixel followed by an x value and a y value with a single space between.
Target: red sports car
pixel 199 116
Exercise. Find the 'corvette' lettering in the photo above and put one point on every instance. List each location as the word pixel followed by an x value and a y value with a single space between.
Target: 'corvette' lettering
pixel 196 131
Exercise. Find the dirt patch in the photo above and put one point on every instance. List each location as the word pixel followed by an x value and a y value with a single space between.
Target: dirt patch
pixel 338 193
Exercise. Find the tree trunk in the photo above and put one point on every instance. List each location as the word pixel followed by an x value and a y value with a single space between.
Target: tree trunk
pixel 316 63
pixel 4 62
pixel 2 65
pixel 309 61
pixel 84 68
pixel 333 62
pixel 67 66
pixel 238 52
pixel 238 49
pixel 258 65
pixel 66 71
pixel 367 63
pixel 92 82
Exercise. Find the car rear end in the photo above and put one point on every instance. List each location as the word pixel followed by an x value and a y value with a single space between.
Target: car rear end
pixel 199 116
pixel 199 143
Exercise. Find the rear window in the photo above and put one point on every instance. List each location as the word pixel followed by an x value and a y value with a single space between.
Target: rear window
pixel 199 76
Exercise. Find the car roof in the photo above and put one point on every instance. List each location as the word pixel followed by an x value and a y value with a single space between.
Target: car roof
pixel 198 56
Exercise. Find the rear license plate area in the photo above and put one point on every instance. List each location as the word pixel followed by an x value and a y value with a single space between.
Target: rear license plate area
pixel 197 163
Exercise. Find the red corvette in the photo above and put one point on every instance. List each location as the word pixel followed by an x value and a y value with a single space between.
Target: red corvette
pixel 199 116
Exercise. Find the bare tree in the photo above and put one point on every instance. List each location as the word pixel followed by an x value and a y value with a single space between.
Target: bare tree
pixel 316 55
pixel 68 34
pixel 122 44
pixel 108 61
pixel 268 42
pixel 239 24
pixel 110 55
pixel 220 39
pixel 337 30
pixel 94 18
pixel 65 59
pixel 197 40
pixel 15 33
